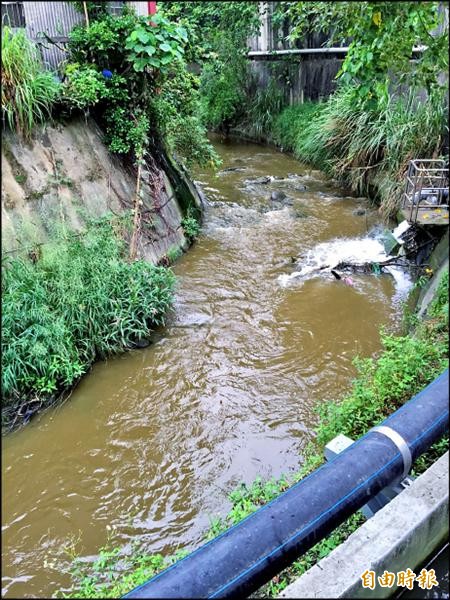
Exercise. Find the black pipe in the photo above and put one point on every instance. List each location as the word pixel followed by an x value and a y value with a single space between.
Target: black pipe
pixel 243 558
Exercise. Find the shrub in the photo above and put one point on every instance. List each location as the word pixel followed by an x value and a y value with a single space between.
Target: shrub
pixel 28 92
pixel 218 42
pixel 190 226
pixel 222 89
pixel 79 302
pixel 103 43
pixel 175 111
pixel 125 131
pixel 84 86
pixel 157 100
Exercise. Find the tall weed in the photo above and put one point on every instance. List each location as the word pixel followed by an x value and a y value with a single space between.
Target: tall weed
pixel 365 146
pixel 28 92
pixel 295 127
pixel 79 302
pixel 264 105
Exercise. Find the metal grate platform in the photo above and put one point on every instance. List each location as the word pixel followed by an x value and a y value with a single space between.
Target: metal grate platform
pixel 425 200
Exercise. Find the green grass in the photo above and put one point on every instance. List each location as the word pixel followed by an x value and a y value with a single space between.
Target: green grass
pixel 28 92
pixel 79 302
pixel 263 107
pixel 293 125
pixel 405 365
pixel 365 146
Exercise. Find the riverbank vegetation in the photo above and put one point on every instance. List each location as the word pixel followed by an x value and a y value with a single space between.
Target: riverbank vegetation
pixel 219 35
pixel 131 74
pixel 28 92
pixel 367 149
pixel 404 366
pixel 387 108
pixel 78 301
pixel 127 72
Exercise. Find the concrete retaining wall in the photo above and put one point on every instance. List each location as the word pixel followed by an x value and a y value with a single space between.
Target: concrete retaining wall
pixel 438 261
pixel 65 174
pixel 399 536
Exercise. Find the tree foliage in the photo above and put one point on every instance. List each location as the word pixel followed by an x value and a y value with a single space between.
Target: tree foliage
pixel 209 22
pixel 129 71
pixel 219 33
pixel 381 38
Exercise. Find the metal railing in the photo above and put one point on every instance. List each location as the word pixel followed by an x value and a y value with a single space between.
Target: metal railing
pixel 426 187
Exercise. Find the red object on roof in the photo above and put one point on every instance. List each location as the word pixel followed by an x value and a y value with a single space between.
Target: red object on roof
pixel 151 8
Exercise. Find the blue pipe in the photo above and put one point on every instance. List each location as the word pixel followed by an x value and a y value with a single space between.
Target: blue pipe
pixel 246 556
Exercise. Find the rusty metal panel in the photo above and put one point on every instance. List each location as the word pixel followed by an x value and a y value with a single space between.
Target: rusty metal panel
pixel 55 19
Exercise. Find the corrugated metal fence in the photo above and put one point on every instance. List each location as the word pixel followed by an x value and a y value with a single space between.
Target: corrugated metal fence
pixel 48 24
pixel 52 19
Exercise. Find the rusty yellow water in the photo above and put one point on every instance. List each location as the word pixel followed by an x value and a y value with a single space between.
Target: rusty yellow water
pixel 150 443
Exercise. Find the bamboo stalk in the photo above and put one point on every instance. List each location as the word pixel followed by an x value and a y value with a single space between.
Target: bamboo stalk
pixel 86 15
pixel 137 214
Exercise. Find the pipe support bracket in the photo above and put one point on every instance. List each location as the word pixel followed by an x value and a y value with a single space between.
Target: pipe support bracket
pixel 400 443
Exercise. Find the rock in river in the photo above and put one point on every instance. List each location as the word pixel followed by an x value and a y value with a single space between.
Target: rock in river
pixel 277 196
pixel 359 212
pixel 230 169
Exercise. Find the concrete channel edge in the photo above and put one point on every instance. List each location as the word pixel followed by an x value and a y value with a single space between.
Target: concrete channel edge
pixel 399 536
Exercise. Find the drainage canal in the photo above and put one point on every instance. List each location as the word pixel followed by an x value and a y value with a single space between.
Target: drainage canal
pixel 151 442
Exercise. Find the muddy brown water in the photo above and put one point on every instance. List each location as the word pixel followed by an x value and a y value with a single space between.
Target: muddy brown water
pixel 151 442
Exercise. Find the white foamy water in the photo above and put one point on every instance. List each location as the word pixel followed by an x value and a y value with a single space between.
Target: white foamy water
pixel 327 255
pixel 403 283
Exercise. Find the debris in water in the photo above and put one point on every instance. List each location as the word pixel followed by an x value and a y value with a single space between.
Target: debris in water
pixel 260 180
pixel 346 280
pixel 231 169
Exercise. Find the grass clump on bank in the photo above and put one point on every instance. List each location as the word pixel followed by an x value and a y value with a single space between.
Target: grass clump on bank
pixel 80 301
pixel 28 92
pixel 405 365
pixel 366 146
